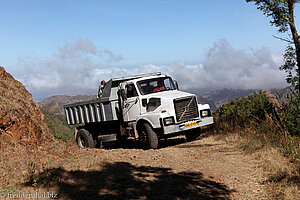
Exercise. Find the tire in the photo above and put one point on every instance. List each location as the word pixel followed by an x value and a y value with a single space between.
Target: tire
pixel 148 137
pixel 84 139
pixel 192 135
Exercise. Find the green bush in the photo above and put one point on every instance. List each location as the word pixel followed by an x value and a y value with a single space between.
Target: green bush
pixel 291 114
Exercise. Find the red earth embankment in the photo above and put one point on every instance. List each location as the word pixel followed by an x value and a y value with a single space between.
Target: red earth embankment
pixel 21 121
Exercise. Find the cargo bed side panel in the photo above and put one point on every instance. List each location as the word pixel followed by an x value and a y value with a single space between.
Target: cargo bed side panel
pixel 91 112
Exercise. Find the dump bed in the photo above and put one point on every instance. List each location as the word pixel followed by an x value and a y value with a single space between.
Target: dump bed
pixel 99 110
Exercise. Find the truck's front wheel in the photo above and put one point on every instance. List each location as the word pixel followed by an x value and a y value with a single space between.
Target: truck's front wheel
pixel 84 139
pixel 148 136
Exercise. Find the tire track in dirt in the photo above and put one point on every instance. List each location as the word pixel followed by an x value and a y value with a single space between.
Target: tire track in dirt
pixel 208 168
pixel 216 160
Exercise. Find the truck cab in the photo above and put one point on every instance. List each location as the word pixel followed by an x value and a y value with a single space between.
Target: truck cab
pixel 156 101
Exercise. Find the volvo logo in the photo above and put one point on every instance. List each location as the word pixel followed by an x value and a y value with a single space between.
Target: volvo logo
pixel 186 108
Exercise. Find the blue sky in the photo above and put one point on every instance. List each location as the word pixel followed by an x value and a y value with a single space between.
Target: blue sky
pixel 128 36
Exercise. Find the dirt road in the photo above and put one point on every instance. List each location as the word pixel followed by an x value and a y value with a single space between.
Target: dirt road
pixel 203 169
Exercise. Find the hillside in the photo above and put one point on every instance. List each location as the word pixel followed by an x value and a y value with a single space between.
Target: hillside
pixel 220 97
pixel 21 121
pixel 54 104
pixel 53 110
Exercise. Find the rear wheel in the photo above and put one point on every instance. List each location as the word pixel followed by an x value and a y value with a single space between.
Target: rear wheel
pixel 148 136
pixel 85 139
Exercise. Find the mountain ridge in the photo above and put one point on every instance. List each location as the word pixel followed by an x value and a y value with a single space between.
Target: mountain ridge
pixel 215 98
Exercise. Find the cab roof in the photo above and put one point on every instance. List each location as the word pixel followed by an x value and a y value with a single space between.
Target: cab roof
pixel 114 82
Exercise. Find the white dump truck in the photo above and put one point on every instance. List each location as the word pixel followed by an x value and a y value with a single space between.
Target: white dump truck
pixel 144 107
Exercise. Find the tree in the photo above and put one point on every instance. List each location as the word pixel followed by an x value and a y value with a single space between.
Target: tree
pixel 282 14
pixel 289 66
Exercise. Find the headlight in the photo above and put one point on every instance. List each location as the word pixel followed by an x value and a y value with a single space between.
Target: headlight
pixel 168 121
pixel 205 113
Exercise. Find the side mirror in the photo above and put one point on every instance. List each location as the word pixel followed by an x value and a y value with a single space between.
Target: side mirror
pixel 123 94
pixel 176 84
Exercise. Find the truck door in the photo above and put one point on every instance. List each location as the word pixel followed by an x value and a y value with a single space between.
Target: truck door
pixel 130 104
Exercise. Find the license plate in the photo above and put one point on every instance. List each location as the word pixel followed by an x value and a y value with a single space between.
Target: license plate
pixel 190 124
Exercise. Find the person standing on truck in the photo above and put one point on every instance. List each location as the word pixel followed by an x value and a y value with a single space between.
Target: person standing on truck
pixel 101 89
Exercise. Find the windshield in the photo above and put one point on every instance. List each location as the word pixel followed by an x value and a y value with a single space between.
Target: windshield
pixel 155 85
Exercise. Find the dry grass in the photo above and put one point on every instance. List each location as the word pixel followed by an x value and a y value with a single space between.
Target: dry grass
pixel 282 175
pixel 283 178
pixel 21 163
pixel 30 164
pixel 265 129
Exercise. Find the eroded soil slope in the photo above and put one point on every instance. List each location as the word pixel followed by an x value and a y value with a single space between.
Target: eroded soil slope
pixel 21 120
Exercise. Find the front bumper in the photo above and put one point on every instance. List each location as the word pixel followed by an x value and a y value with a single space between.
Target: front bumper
pixel 188 125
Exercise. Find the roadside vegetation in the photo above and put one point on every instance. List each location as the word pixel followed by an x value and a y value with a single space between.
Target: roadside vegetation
pixel 58 126
pixel 270 130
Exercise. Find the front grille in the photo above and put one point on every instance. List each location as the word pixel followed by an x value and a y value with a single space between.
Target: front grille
pixel 186 109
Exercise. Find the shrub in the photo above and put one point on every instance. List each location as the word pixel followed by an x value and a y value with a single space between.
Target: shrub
pixel 269 120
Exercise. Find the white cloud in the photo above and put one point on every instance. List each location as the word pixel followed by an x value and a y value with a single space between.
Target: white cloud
pixel 76 68
pixel 42 81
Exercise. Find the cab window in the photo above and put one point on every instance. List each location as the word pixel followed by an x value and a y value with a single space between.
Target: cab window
pixel 130 90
